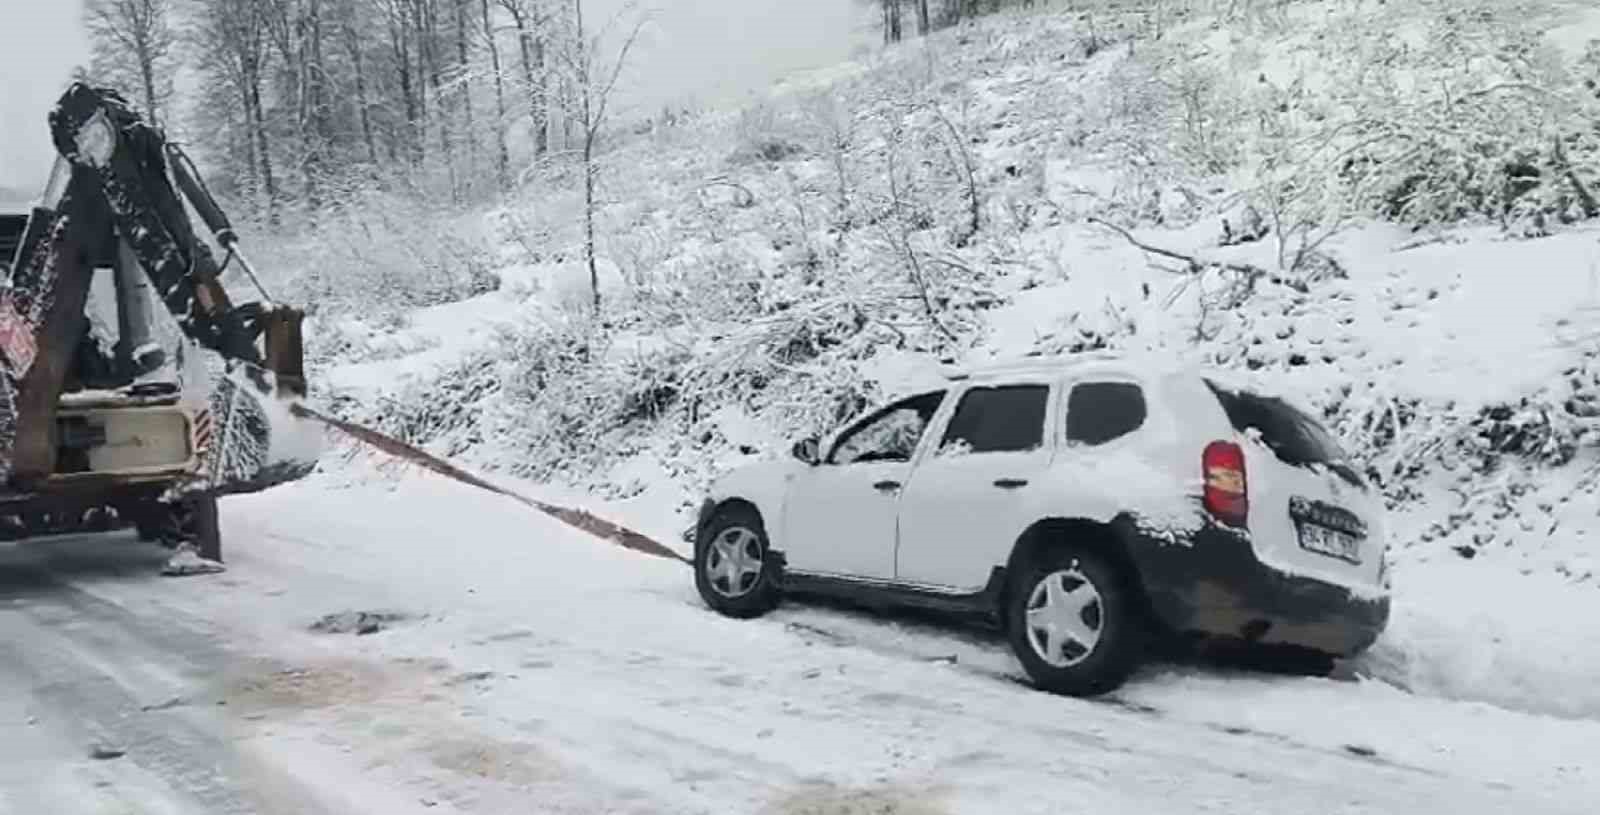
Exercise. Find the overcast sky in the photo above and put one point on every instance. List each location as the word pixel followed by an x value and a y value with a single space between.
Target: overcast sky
pixel 705 51
pixel 40 42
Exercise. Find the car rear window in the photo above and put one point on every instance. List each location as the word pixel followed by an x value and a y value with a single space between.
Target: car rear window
pixel 1098 412
pixel 999 420
pixel 1295 438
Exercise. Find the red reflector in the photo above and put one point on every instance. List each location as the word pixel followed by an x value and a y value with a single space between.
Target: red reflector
pixel 1227 491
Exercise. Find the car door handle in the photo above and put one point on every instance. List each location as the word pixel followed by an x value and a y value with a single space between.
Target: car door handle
pixel 886 486
pixel 1010 483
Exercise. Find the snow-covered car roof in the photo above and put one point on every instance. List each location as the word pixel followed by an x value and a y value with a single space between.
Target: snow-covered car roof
pixel 1106 363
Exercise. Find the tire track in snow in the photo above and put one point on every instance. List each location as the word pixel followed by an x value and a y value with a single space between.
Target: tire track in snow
pixel 820 631
pixel 101 675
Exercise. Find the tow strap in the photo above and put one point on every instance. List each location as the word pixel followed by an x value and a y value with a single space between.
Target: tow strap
pixel 577 518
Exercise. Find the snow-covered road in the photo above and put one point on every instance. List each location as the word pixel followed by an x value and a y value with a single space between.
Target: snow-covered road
pixel 537 670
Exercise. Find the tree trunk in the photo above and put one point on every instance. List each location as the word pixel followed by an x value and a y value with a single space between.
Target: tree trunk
pixel 568 102
pixel 503 159
pixel 316 130
pixel 353 44
pixel 419 31
pixel 541 130
pixel 147 73
pixel 894 20
pixel 247 35
pixel 263 149
pixel 252 171
pixel 531 47
pixel 400 45
pixel 471 130
pixel 924 25
pixel 430 50
pixel 589 133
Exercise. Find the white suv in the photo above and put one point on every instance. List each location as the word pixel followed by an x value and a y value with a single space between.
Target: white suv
pixel 1082 505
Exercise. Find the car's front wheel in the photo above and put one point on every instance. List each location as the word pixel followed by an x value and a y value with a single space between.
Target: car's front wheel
pixel 733 568
pixel 1073 621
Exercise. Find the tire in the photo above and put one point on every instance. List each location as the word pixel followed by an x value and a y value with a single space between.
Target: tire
pixel 147 519
pixel 193 521
pixel 1109 613
pixel 149 531
pixel 742 588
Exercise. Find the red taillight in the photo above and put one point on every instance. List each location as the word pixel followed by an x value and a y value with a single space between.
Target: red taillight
pixel 1227 493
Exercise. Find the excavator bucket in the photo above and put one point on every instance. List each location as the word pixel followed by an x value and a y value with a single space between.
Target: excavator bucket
pixel 285 349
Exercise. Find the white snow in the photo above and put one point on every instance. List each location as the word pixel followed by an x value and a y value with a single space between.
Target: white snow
pixel 542 665
pixel 543 668
pixel 1523 642
pixel 1451 321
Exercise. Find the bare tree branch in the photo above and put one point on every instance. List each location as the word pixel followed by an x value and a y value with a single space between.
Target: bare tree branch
pixel 616 73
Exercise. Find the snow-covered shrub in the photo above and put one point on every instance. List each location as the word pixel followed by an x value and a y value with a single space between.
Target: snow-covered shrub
pixel 375 253
pixel 768 134
pixel 1464 112
pixel 1423 113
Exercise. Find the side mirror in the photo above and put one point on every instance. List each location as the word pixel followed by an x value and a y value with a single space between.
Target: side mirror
pixel 807 450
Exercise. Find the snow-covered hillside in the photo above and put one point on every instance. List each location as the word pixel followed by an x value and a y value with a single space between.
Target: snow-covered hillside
pixel 1378 209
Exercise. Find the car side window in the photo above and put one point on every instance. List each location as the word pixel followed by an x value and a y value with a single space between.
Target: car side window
pixel 1007 419
pixel 889 435
pixel 1098 412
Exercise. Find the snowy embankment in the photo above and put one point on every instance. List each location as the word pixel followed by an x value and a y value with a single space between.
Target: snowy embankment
pixel 766 273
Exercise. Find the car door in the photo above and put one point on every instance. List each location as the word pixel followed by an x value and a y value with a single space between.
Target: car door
pixel 967 500
pixel 840 514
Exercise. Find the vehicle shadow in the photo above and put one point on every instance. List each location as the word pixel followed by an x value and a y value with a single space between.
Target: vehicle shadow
pixel 940 637
pixel 40 563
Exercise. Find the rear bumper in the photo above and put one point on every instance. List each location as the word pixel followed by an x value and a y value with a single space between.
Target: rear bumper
pixel 1213 585
pixel 78 508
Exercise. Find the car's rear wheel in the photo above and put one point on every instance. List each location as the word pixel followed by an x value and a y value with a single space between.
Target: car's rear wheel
pixel 1074 621
pixel 733 568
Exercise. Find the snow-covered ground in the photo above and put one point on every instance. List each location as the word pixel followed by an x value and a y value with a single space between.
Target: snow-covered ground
pixel 747 301
pixel 534 669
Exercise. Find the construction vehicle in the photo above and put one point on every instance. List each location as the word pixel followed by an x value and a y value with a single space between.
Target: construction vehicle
pixel 101 432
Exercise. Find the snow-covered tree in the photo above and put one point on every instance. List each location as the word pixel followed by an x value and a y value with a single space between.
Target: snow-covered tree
pixel 133 49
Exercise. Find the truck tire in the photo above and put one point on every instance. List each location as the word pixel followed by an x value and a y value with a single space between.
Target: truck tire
pixel 193 522
pixel 148 524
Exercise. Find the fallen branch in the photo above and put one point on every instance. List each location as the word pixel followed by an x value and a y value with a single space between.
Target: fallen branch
pixel 577 518
pixel 747 198
pixel 1250 273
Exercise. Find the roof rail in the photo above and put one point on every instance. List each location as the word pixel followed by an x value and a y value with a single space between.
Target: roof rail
pixel 1031 362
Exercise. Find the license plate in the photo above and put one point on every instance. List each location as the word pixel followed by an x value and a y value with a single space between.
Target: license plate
pixel 1330 542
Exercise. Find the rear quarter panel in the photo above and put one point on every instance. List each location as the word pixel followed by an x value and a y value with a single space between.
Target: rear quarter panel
pixel 1146 476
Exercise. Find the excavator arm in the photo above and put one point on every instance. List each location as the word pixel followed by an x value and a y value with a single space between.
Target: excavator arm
pixel 129 163
pixel 119 199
